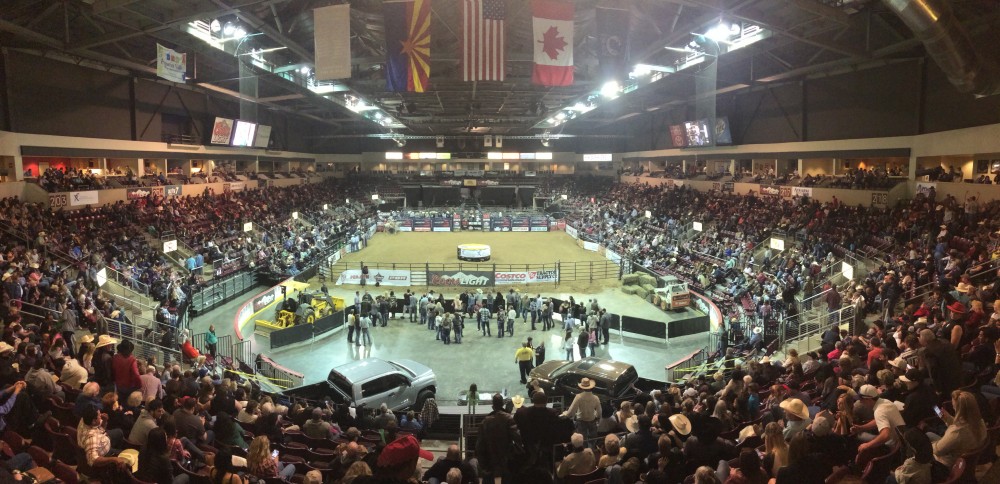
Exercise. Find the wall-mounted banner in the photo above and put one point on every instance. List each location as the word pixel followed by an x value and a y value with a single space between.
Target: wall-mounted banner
pixel 82 198
pixel 383 277
pixel 467 278
pixel 591 246
pixel 172 191
pixel 729 187
pixel 925 188
pixel 138 193
pixel 572 232
pixel 613 256
pixel 528 277
pixel 170 64
pixel 802 192
pixel 169 246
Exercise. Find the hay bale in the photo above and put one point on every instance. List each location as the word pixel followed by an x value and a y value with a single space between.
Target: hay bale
pixel 646 279
pixel 630 279
pixel 641 292
pixel 629 289
pixel 648 287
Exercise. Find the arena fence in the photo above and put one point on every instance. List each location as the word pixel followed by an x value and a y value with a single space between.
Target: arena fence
pixel 472 274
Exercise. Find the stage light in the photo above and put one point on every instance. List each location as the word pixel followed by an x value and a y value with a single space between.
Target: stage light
pixel 304 70
pixel 718 33
pixel 216 26
pixel 239 33
pixel 228 29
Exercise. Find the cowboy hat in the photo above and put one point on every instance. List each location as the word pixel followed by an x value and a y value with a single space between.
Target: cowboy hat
pixel 899 364
pixel 957 307
pixel 766 360
pixel 587 384
pixel 963 287
pixel 130 456
pixel 746 433
pixel 868 391
pixel 87 338
pixel 4 347
pixel 758 330
pixel 680 423
pixel 795 407
pixel 105 340
pixel 517 400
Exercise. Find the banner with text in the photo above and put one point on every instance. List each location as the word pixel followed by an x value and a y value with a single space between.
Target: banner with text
pixel 460 278
pixel 802 192
pixel 571 230
pixel 384 277
pixel 82 198
pixel 527 277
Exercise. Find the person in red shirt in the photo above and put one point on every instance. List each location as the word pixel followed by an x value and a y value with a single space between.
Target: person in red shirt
pixel 125 370
pixel 876 350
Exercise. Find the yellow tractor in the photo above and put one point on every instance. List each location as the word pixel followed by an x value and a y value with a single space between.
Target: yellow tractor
pixel 307 309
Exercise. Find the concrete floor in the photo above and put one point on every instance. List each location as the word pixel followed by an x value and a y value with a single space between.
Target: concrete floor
pixel 489 362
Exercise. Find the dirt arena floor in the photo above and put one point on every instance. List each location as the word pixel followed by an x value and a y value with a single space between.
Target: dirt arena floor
pixel 507 248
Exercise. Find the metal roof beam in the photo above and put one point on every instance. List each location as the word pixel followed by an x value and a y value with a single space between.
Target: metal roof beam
pixel 101 6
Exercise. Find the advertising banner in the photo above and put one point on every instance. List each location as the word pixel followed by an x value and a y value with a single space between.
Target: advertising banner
pixel 233 186
pixel 500 224
pixel 486 222
pixel 802 192
pixel 571 230
pixel 261 301
pixel 539 224
pixel 729 187
pixel 421 224
pixel 456 222
pixel 172 191
pixel 170 64
pixel 521 223
pixel 925 188
pixel 466 278
pixel 527 277
pixel 82 198
pixel 442 224
pixel 770 190
pixel 591 246
pixel 384 277
pixel 613 256
pixel 138 193
pixel 405 224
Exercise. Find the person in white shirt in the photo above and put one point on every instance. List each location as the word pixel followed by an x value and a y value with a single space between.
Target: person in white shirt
pixel 585 409
pixel 511 315
pixel 887 418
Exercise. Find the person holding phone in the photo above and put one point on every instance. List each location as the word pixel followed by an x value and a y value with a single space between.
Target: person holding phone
pixel 966 433
pixel 263 463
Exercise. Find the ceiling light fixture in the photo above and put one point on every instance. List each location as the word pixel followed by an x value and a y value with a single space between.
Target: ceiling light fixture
pixel 610 89
pixel 228 29
pixel 216 26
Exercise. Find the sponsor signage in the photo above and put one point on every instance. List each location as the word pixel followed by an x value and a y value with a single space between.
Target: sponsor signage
pixel 680 300
pixel 729 187
pixel 102 277
pixel 613 256
pixel 770 190
pixel 802 191
pixel 172 191
pixel 527 277
pixel 441 224
pixel 58 200
pixel 82 198
pixel 925 188
pixel 405 225
pixel 260 302
pixel 520 224
pixel 247 227
pixel 421 224
pixel 591 246
pixel 138 193
pixel 169 246
pixel 461 278
pixel 571 230
pixel 539 224
pixel 500 224
pixel 777 244
pixel 384 277
pixel 233 186
pixel 457 222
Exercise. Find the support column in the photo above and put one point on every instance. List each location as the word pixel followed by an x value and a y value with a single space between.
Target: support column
pixel 19 168
pixel 684 166
pixel 140 168
pixel 834 171
pixel 732 167
pixel 801 174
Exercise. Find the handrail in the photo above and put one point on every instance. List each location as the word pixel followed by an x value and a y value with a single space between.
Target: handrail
pixel 821 321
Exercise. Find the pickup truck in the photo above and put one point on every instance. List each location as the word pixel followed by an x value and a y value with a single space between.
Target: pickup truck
pixel 615 380
pixel 400 384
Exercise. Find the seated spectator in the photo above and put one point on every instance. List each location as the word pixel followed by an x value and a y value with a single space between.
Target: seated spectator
pixel 224 471
pixel 147 421
pixel 250 413
pixel 228 432
pixel 100 447
pixel 396 463
pixel 579 460
pixel 318 428
pixel 775 449
pixel 749 471
pixel 916 469
pixel 262 464
pixel 438 473
pixel 612 451
pixel 803 467
pixel 154 461
pixel 88 398
pixel 966 433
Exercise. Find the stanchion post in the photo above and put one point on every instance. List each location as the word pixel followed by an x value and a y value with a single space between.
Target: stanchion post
pixel 591 271
pixel 427 274
pixel 559 273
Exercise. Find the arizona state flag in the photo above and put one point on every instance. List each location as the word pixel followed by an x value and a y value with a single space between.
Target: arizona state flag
pixel 552 24
pixel 408 45
pixel 612 32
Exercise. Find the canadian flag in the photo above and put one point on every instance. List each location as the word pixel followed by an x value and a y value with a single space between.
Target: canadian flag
pixel 552 23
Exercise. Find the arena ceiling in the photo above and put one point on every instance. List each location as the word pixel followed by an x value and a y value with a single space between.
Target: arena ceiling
pixel 799 38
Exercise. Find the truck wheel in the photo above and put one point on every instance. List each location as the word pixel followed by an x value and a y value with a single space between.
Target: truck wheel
pixel 421 398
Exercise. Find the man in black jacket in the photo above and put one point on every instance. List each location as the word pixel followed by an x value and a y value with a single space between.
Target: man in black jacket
pixel 495 447
pixel 452 460
pixel 539 426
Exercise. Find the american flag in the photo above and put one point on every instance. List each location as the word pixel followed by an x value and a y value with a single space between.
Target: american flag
pixel 483 53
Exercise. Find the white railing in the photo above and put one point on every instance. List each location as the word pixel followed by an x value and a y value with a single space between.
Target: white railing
pixel 791 333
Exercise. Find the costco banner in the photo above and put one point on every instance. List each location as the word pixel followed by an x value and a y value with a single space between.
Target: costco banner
pixel 460 278
pixel 384 277
pixel 528 277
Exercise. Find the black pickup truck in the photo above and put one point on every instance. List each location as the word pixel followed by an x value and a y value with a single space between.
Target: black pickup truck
pixel 614 380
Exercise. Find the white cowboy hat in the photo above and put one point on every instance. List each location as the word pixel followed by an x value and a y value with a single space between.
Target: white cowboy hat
pixel 87 338
pixel 680 423
pixel 517 400
pixel 757 330
pixel 587 384
pixel 795 407
pixel 746 433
